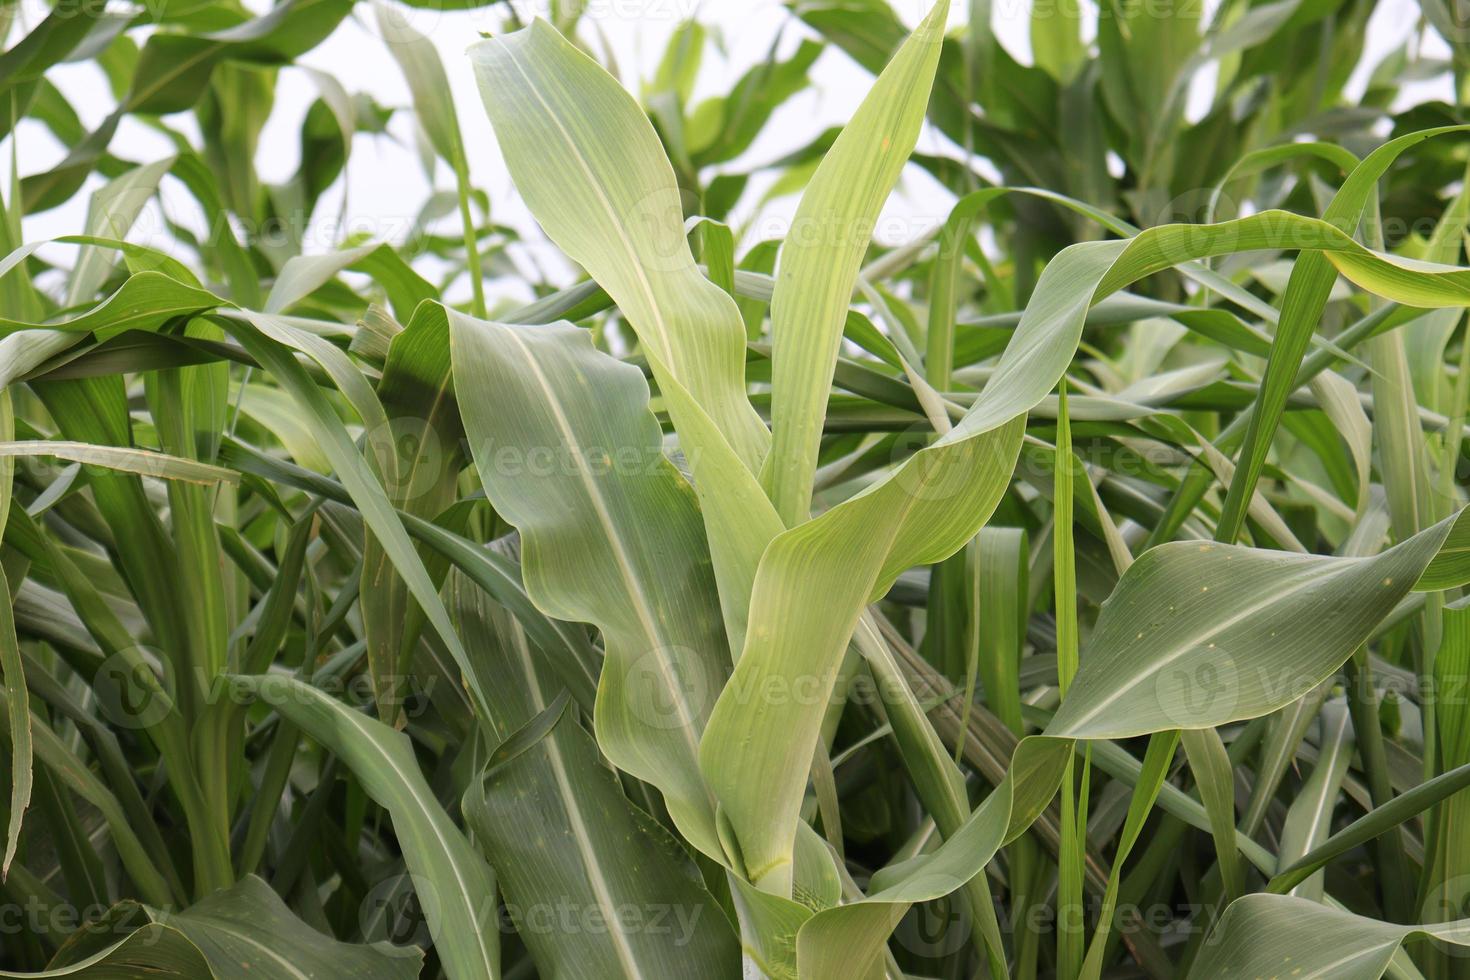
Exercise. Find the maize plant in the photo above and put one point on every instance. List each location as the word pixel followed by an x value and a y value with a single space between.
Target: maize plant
pixel 1074 587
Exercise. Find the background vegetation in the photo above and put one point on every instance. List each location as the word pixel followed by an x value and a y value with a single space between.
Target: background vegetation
pixel 1072 586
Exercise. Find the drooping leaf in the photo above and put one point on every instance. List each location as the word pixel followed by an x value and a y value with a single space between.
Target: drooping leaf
pixel 1199 634
pixel 456 886
pixel 247 929
pixel 1265 935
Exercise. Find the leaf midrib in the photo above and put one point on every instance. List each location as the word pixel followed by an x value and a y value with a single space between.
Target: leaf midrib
pixel 578 823
pixel 647 620
pixel 1312 577
pixel 593 182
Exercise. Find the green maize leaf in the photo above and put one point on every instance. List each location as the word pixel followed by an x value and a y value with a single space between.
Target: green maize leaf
pixel 716 251
pixel 17 696
pixel 1306 293
pixel 333 362
pixel 247 929
pixel 769 925
pixel 174 69
pixel 1001 573
pixel 23 64
pixel 304 274
pixel 724 127
pixel 813 583
pixel 142 462
pixel 1309 820
pixel 145 302
pixel 417 458
pixel 616 211
pixel 1273 156
pixel 819 262
pixel 1451 566
pixel 1210 764
pixel 1200 634
pixel 1071 936
pixel 1375 822
pixel 627 880
pixel 110 213
pixel 928 508
pixel 563 643
pixel 1283 936
pixel 1056 38
pixel 419 60
pixel 150 952
pixel 138 258
pixel 457 886
pixel 569 453
pixel 839 942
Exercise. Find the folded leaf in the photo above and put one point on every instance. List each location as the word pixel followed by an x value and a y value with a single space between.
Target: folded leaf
pixel 570 454
pixel 247 929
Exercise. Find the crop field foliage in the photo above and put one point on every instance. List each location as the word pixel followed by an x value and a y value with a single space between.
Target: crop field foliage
pixel 1070 585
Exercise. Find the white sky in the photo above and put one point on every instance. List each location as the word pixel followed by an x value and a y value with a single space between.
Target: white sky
pixel 386 183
